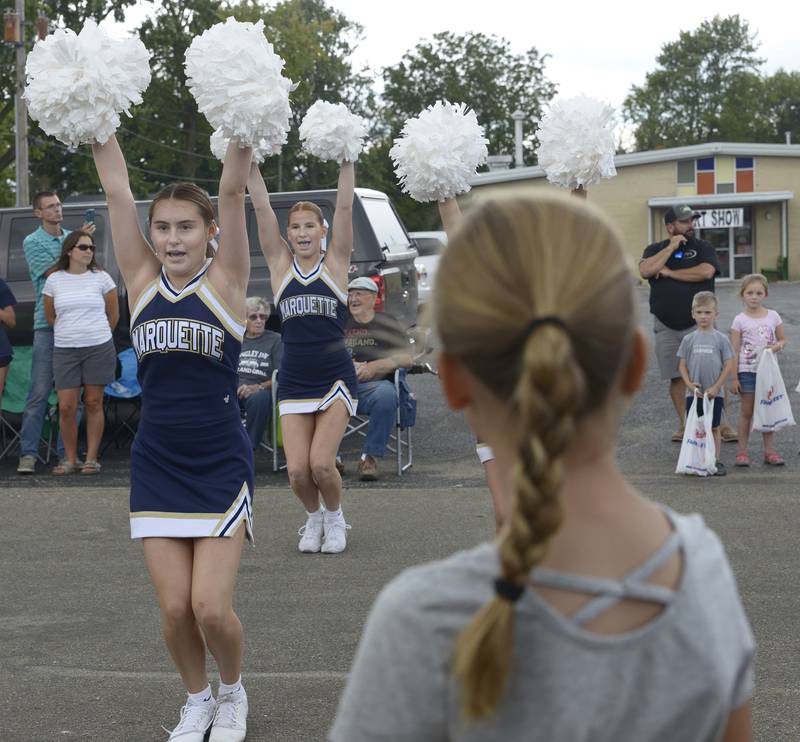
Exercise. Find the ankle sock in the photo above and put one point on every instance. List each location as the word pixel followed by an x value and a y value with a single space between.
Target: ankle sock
pixel 224 688
pixel 204 696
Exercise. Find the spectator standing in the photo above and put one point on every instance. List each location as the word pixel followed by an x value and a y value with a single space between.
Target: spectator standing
pixel 81 304
pixel 597 615
pixel 379 347
pixel 8 318
pixel 676 268
pixel 706 361
pixel 42 249
pixel 753 331
pixel 259 357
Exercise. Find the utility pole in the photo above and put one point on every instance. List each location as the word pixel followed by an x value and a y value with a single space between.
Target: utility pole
pixel 518 117
pixel 21 116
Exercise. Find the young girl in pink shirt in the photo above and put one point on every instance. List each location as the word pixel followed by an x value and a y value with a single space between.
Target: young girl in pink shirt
pixel 754 330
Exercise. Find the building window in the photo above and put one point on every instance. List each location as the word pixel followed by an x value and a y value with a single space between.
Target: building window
pixel 724 187
pixel 745 170
pixel 686 172
pixel 705 164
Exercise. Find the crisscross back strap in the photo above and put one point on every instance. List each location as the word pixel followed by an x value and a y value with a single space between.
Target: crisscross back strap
pixel 610 592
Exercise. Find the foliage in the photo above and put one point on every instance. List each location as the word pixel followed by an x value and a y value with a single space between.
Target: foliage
pixel 703 89
pixel 61 13
pixel 476 69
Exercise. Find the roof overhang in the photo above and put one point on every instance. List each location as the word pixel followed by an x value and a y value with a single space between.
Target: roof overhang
pixel 692 151
pixel 718 199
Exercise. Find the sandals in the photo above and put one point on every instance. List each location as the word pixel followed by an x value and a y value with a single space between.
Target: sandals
pixel 64 467
pixel 773 459
pixel 90 467
pixel 742 459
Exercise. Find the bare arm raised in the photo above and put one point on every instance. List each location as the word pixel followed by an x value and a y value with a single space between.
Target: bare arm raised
pixel 450 214
pixel 137 262
pixel 230 269
pixel 340 248
pixel 276 251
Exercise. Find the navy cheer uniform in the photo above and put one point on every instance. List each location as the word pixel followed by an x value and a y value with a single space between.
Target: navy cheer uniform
pixel 191 461
pixel 316 368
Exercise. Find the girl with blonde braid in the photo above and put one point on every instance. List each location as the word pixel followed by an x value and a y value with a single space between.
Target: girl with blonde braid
pixel 597 615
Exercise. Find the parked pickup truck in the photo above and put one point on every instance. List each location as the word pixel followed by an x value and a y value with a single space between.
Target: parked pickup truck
pixel 382 251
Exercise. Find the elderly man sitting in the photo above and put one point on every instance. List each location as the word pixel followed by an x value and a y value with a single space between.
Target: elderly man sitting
pixel 379 347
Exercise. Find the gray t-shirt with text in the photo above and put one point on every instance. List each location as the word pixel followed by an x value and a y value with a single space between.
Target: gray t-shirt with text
pixel 677 678
pixel 705 354
pixel 259 357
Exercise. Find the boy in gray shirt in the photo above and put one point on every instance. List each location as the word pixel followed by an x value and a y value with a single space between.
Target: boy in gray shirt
pixel 706 360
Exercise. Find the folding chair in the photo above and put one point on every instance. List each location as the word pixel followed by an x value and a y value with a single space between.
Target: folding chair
pixel 275 441
pixel 15 396
pixel 125 393
pixel 400 443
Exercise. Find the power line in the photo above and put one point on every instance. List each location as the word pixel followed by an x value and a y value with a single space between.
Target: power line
pixel 166 146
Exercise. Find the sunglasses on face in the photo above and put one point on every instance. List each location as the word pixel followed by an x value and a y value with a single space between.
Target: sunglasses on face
pixel 85 247
pixel 254 317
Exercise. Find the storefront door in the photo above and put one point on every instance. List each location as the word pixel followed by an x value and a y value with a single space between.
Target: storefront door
pixel 734 247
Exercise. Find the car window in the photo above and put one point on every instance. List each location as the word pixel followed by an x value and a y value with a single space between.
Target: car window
pixel 282 213
pixel 387 226
pixel 428 246
pixel 22 226
pixel 17 266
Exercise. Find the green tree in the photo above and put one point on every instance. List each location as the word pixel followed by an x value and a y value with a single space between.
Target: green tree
pixel 706 87
pixel 62 14
pixel 472 68
pixel 781 106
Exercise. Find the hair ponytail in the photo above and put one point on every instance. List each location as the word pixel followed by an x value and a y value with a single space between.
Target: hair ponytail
pixel 549 392
pixel 536 300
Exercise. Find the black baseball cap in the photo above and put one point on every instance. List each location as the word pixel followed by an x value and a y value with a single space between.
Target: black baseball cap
pixel 680 214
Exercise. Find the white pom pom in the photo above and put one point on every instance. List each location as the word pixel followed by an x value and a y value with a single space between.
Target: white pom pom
pixel 438 151
pixel 219 146
pixel 236 79
pixel 79 84
pixel 330 132
pixel 576 142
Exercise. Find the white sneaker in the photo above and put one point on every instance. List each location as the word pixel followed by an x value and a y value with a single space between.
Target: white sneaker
pixel 335 530
pixel 311 532
pixel 230 721
pixel 195 720
pixel 27 464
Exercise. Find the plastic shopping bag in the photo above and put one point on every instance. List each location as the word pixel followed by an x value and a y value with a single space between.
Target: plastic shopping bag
pixel 771 408
pixel 698 454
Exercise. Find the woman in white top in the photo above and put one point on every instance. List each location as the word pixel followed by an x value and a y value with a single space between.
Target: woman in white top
pixel 80 302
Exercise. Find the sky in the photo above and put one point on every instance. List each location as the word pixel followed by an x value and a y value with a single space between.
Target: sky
pixel 596 48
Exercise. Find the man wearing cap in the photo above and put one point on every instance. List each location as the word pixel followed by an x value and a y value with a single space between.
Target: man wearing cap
pixel 379 347
pixel 676 268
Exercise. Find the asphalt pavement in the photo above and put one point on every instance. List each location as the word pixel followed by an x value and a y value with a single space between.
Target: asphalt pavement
pixel 81 656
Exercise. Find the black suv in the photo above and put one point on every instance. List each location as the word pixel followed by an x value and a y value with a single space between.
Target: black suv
pixel 381 250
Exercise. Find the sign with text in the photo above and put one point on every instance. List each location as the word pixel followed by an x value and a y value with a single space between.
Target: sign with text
pixel 716 218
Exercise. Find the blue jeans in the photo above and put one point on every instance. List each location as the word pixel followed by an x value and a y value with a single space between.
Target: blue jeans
pixel 38 393
pixel 378 400
pixel 258 410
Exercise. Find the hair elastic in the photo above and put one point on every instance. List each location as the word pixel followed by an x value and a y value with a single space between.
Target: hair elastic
pixel 511 591
pixel 548 319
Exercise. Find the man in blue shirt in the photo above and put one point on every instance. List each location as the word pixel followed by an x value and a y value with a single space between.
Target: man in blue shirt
pixel 42 249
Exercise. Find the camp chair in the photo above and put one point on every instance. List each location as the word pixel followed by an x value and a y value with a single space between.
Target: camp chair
pixel 122 402
pixel 400 443
pixel 15 396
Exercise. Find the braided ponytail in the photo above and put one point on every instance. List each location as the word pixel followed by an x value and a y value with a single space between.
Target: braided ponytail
pixel 535 299
pixel 549 392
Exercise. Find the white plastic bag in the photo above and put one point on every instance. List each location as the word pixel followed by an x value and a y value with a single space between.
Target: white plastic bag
pixel 771 408
pixel 698 453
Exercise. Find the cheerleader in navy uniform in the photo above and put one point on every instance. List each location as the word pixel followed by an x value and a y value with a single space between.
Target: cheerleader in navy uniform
pixel 191 462
pixel 317 387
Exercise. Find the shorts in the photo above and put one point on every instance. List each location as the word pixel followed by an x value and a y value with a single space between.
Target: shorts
pixel 94 364
pixel 667 342
pixel 717 414
pixel 747 382
pixel 5 360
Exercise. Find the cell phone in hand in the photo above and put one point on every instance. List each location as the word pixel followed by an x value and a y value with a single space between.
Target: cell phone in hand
pixel 89 216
